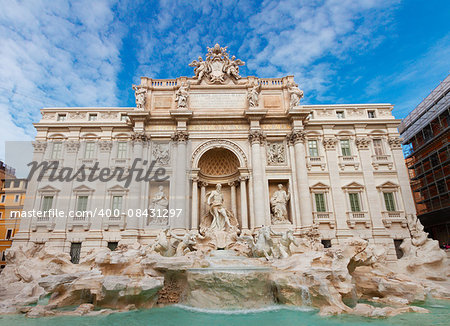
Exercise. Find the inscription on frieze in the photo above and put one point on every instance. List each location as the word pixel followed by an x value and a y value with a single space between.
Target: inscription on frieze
pixel 218 100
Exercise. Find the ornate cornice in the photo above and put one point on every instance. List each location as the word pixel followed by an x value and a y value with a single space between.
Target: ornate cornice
pixel 256 136
pixel 395 142
pixel 296 136
pixel 180 136
pixel 329 143
pixel 362 142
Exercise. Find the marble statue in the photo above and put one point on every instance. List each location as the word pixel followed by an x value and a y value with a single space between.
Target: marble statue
pixel 158 211
pixel 295 94
pixel 253 96
pixel 139 93
pixel 262 245
pixel 201 68
pixel 217 209
pixel 163 245
pixel 278 205
pixel 161 154
pixel 231 67
pixel 275 154
pixel 284 243
pixel 186 242
pixel 182 95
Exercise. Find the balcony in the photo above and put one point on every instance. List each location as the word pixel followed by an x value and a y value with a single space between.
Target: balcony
pixel 118 221
pixel 324 218
pixel 348 161
pixel 43 221
pixel 121 162
pixel 315 161
pixel 358 217
pixel 393 217
pixel 378 160
pixel 87 162
pixel 83 220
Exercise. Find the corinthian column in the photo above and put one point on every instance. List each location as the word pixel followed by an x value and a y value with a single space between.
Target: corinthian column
pixel 180 221
pixel 233 198
pixel 256 137
pixel 297 137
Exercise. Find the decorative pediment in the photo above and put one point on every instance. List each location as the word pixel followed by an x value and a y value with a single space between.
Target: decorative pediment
pixel 48 189
pixel 83 188
pixel 117 189
pixel 388 185
pixel 353 185
pixel 319 185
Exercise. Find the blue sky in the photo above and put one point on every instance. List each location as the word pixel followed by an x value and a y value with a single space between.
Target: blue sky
pixel 88 53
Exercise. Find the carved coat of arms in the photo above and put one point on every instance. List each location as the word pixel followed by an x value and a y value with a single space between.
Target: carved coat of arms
pixel 218 67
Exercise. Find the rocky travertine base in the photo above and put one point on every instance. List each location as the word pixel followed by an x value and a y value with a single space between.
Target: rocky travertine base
pixel 135 277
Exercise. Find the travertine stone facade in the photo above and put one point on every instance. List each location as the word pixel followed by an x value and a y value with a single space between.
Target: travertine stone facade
pixel 340 164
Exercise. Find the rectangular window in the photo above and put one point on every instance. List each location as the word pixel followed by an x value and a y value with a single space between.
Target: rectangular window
pixel 320 202
pixel 122 149
pixel 389 201
pixel 92 116
pixel 2 200
pixel 75 251
pixel 89 150
pixel 61 117
pixel 16 183
pixel 355 204
pixel 116 203
pixel 340 114
pixel 345 147
pixel 312 146
pixel 113 245
pixel 16 198
pixel 371 114
pixel 8 234
pixel 47 202
pixel 378 147
pixel 56 150
pixel 82 203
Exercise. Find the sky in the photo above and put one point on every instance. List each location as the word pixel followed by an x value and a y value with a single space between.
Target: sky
pixel 89 53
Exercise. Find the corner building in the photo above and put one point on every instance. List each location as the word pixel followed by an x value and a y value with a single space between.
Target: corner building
pixel 341 165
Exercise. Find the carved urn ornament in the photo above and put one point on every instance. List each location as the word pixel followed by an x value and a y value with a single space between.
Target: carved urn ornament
pixel 218 67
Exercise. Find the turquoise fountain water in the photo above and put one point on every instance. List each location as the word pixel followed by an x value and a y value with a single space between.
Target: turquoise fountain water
pixel 273 315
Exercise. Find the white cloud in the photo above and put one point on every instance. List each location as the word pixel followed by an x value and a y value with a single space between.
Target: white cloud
pixel 55 53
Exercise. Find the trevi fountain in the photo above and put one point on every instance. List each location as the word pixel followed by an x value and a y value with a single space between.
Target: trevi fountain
pixel 276 226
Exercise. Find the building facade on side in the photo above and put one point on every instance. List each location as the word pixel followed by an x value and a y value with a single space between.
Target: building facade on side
pixel 12 197
pixel 337 168
pixel 425 132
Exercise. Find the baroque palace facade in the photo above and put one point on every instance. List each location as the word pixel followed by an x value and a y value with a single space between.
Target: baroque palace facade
pixel 337 169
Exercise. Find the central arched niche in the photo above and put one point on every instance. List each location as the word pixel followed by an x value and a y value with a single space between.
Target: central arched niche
pixel 219 163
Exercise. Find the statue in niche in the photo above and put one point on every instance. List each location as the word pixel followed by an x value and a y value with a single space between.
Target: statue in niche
pixel 139 93
pixel 278 205
pixel 295 94
pixel 158 210
pixel 160 154
pixel 253 96
pixel 275 154
pixel 221 217
pixel 181 96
